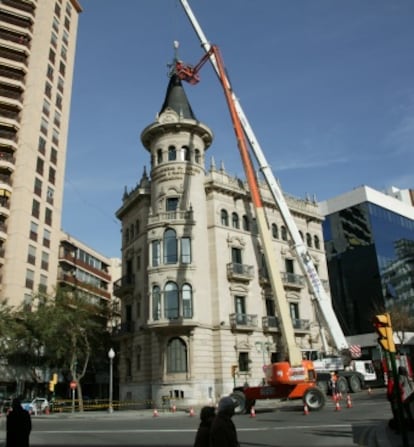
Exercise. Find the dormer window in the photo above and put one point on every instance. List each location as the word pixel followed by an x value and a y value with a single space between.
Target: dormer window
pixel 172 204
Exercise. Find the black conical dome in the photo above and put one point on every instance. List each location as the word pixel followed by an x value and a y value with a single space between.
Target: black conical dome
pixel 176 99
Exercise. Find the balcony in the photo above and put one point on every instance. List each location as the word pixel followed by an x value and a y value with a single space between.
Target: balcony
pixel 8 136
pixel 239 272
pixel 301 325
pixel 71 279
pixel 22 6
pixel 78 263
pixel 7 160
pixel 124 285
pixel 4 203
pixel 176 216
pixel 243 322
pixel 3 230
pixel 270 324
pixel 293 280
pixel 171 325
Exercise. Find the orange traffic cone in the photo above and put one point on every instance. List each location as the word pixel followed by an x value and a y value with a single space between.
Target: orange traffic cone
pixel 192 412
pixel 337 405
pixel 348 401
pixel 155 413
pixel 305 410
pixel 252 412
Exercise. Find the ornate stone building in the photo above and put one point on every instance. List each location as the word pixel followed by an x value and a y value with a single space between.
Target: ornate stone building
pixel 196 299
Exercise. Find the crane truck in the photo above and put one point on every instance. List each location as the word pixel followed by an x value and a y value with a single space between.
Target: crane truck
pixel 294 377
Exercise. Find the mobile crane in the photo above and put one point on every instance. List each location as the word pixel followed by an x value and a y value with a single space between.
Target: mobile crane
pixel 295 377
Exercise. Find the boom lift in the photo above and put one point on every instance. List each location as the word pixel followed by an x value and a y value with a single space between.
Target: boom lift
pixel 295 377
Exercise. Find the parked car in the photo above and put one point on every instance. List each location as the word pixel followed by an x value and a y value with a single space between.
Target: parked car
pixel 37 405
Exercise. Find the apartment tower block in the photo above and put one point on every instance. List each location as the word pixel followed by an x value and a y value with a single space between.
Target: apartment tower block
pixel 37 52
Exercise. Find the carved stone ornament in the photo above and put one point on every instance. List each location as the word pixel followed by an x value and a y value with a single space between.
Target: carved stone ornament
pixel 168 116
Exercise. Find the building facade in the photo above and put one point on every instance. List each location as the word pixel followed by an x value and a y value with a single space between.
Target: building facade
pixel 369 240
pixel 89 273
pixel 196 299
pixel 37 52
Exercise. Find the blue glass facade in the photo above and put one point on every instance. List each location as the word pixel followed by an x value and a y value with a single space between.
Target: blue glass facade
pixel 370 253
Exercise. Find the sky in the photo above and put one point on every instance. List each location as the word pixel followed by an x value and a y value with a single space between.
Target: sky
pixel 327 86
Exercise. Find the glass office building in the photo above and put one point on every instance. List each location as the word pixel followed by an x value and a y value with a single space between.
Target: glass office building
pixel 369 239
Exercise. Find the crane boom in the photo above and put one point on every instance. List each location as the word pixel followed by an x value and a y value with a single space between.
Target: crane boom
pixel 320 297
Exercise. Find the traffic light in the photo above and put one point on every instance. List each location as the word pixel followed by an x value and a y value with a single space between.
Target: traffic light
pixel 233 370
pixel 383 327
pixel 52 386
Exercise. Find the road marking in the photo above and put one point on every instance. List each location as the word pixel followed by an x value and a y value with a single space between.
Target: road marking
pixel 192 430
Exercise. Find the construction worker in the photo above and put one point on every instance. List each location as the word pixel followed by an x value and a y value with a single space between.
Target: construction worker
pixel 332 383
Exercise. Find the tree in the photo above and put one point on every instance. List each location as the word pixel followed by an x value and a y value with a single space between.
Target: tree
pixel 402 319
pixel 75 328
pixel 60 333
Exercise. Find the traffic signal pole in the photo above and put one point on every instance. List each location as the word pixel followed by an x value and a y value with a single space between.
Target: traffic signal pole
pixel 383 326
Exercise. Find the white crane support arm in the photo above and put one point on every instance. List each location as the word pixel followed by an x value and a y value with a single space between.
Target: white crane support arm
pixel 321 298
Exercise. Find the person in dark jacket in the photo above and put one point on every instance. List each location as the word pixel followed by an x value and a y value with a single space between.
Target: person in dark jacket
pixel 223 431
pixel 203 433
pixel 18 426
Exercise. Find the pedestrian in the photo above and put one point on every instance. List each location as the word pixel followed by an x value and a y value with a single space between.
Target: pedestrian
pixel 18 426
pixel 404 391
pixel 332 382
pixel 223 431
pixel 203 433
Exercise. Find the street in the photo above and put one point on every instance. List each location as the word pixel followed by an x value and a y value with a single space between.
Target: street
pixel 286 425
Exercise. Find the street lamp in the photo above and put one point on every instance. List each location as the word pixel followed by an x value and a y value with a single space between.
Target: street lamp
pixel 111 355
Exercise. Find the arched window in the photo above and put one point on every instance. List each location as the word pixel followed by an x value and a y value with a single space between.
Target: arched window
pixel 275 231
pixel 170 247
pixel 246 223
pixel 172 153
pixel 283 233
pixel 235 220
pixel 308 240
pixel 185 153
pixel 156 303
pixel 159 156
pixel 224 217
pixel 187 297
pixel 176 356
pixel 316 242
pixel 171 307
pixel 197 156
